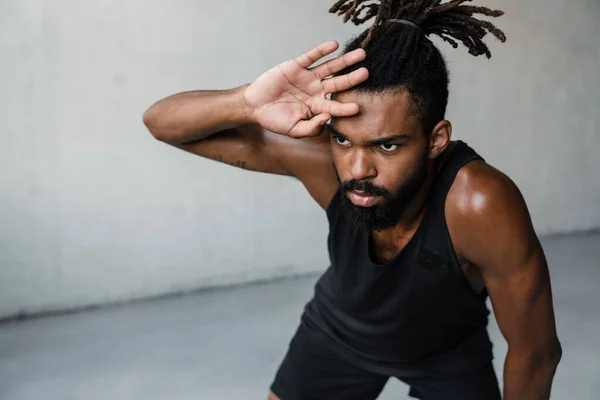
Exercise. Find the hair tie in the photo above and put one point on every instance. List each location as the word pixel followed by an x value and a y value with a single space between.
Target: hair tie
pixel 405 22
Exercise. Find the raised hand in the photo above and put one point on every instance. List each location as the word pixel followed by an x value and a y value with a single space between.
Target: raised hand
pixel 290 99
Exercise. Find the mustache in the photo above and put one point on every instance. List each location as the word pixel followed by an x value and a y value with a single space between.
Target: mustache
pixel 364 186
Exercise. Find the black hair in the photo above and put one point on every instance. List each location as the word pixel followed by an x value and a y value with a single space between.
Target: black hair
pixel 400 55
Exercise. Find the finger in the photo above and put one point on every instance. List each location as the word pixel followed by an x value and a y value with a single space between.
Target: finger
pixel 311 127
pixel 339 63
pixel 314 55
pixel 345 82
pixel 338 109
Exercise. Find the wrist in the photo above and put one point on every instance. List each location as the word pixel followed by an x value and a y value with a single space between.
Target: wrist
pixel 247 114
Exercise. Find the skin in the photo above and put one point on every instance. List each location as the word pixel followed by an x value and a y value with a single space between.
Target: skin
pixel 488 220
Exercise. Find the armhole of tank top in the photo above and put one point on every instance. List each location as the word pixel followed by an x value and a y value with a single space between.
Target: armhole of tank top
pixel 446 232
pixel 333 207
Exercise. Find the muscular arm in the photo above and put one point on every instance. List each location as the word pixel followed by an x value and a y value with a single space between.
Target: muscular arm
pixel 217 125
pixel 491 228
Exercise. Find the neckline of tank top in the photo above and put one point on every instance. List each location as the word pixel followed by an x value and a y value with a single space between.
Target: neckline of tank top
pixel 366 237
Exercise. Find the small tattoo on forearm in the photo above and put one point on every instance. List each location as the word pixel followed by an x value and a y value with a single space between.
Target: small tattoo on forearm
pixel 238 163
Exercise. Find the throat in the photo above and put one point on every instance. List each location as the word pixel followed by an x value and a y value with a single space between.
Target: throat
pixel 385 247
pixel 383 253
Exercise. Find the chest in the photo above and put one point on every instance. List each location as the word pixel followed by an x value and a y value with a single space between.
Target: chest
pixel 413 275
pixel 385 251
pixel 364 275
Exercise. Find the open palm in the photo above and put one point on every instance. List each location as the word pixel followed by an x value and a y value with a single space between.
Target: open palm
pixel 290 99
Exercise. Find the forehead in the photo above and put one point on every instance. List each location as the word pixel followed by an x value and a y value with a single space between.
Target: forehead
pixel 381 114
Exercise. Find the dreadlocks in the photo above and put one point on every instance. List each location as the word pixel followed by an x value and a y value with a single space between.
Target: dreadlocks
pixel 399 55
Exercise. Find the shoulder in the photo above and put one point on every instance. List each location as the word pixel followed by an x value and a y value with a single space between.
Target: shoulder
pixel 479 188
pixel 485 209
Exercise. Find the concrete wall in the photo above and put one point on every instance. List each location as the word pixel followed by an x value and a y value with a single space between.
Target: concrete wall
pixel 92 210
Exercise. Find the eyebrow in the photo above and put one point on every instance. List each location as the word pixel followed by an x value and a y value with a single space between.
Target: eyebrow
pixel 374 142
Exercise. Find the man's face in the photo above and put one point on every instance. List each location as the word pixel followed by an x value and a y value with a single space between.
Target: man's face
pixel 381 158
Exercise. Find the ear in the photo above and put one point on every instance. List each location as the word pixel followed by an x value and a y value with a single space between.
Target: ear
pixel 439 138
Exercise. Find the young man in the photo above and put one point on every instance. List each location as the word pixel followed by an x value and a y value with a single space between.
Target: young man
pixel 422 229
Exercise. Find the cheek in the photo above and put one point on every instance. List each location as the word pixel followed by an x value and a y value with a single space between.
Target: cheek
pixel 390 179
pixel 393 173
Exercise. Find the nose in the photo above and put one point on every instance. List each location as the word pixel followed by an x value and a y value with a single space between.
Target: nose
pixel 361 167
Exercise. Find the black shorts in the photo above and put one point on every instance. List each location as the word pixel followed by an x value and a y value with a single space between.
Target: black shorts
pixel 312 371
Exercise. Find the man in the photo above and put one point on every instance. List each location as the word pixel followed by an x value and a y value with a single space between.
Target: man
pixel 422 229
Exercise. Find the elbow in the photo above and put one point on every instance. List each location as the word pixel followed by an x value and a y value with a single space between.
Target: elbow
pixel 550 358
pixel 547 355
pixel 552 354
pixel 556 353
pixel 159 126
pixel 151 119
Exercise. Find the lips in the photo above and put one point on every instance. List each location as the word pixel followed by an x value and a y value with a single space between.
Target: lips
pixel 362 199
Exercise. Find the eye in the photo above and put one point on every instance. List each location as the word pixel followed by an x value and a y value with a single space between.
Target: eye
pixel 341 141
pixel 388 147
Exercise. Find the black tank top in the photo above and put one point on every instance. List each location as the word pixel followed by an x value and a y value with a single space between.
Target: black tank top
pixel 414 314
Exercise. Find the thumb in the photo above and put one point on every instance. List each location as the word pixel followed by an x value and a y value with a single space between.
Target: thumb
pixel 311 127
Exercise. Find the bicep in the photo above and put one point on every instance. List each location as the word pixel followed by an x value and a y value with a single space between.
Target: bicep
pixel 521 296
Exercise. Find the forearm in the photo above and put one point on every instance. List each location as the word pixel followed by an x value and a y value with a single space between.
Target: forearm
pixel 529 377
pixel 194 115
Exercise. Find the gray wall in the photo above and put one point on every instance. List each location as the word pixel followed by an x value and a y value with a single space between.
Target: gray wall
pixel 93 210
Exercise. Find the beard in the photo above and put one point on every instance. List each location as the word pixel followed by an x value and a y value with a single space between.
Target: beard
pixel 387 213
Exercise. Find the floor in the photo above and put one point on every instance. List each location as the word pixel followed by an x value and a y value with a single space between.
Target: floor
pixel 223 345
